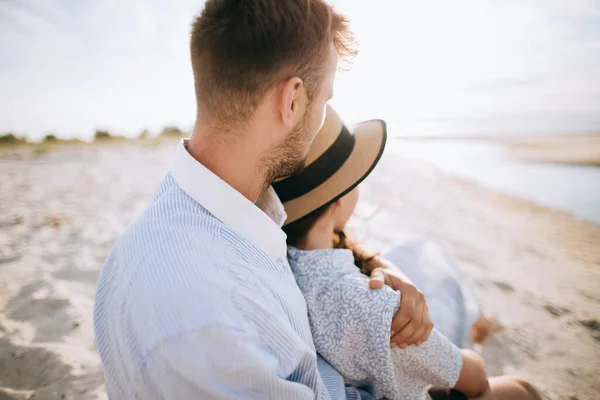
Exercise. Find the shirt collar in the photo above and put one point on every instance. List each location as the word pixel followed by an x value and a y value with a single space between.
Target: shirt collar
pixel 261 226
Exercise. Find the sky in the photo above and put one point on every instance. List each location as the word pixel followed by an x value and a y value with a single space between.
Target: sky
pixel 426 67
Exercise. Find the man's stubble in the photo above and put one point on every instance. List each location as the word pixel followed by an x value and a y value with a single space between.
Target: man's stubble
pixel 289 157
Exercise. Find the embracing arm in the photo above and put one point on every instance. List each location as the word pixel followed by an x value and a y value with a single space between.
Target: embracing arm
pixel 412 324
pixel 214 363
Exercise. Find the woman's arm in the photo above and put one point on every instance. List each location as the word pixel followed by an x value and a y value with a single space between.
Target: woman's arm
pixel 472 380
pixel 350 324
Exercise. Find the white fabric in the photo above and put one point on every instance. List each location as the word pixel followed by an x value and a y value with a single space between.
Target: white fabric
pixel 452 303
pixel 261 227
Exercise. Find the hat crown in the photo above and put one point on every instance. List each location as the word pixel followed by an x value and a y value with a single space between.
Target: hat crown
pixel 327 135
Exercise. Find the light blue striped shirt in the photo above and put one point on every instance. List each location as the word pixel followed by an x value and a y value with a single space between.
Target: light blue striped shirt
pixel 197 300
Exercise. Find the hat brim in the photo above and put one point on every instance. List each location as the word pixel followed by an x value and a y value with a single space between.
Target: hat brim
pixel 370 138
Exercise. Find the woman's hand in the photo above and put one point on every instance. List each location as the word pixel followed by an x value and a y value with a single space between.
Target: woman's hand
pixel 412 324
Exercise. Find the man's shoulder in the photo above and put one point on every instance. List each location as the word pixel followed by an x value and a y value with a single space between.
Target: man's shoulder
pixel 171 208
pixel 173 259
pixel 171 282
pixel 172 225
pixel 181 244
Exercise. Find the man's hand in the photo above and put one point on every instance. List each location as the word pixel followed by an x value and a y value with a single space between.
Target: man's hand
pixel 412 324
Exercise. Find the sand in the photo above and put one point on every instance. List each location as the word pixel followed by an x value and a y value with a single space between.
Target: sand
pixel 564 149
pixel 536 270
pixel 573 149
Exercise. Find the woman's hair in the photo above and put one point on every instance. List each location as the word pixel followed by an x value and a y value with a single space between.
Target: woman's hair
pixel 296 231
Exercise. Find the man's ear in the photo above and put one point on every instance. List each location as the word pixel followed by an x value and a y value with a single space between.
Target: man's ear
pixel 292 92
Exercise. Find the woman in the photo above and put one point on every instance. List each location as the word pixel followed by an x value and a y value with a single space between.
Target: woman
pixel 350 323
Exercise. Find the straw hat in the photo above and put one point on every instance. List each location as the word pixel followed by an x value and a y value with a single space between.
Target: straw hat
pixel 338 160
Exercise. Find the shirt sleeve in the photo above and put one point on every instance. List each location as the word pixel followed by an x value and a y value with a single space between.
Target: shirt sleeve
pixel 214 363
pixel 437 362
pixel 351 328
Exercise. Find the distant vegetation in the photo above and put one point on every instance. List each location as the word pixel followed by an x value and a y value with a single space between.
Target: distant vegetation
pixel 145 134
pixel 11 138
pixel 172 131
pixel 102 135
pixel 50 138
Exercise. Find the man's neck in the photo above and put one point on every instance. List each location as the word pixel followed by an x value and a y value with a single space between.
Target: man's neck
pixel 234 164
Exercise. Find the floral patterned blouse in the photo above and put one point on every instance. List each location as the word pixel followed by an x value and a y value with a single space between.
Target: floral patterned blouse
pixel 351 324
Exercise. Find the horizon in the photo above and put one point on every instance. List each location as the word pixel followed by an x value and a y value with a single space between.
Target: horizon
pixel 470 67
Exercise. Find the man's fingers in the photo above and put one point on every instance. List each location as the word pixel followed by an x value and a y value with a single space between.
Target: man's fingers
pixel 398 324
pixel 406 337
pixel 429 324
pixel 392 280
pixel 377 279
pixel 408 307
pixel 409 327
pixel 416 338
pixel 404 316
pixel 412 324
pixel 401 337
pixel 425 336
pixel 420 334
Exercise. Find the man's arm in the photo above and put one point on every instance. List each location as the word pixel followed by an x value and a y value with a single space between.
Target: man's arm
pixel 412 324
pixel 214 363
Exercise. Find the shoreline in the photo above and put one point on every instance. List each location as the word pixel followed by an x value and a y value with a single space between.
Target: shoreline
pixel 575 149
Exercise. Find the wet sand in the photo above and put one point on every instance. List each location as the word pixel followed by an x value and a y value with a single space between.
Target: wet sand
pixel 574 149
pixel 535 269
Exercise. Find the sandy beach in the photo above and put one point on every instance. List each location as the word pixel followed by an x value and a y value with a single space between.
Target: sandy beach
pixel 572 149
pixel 536 270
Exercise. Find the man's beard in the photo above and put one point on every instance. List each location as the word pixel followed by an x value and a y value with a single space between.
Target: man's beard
pixel 289 157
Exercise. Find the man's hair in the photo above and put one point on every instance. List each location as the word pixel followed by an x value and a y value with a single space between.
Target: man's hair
pixel 242 48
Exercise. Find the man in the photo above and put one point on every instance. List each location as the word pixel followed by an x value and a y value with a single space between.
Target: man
pixel 196 299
